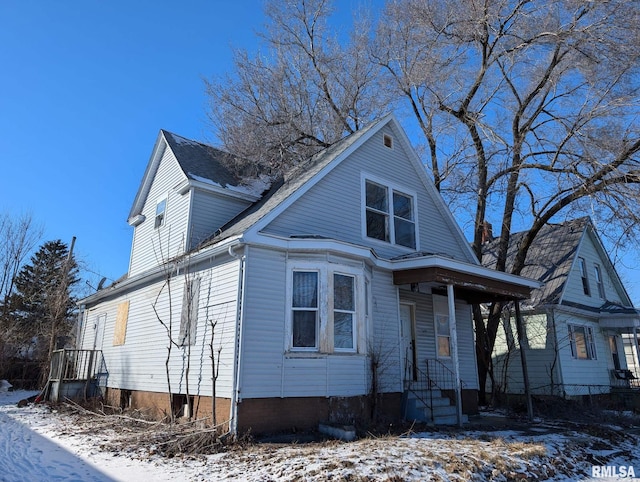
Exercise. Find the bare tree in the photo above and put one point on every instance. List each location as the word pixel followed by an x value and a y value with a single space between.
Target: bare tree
pixel 302 92
pixel 534 103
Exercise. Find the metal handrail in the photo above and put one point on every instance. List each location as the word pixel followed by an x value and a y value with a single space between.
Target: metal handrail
pixel 441 376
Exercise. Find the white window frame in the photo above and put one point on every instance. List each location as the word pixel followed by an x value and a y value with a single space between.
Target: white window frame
pixel 315 309
pixel 391 188
pixel 599 280
pixel 584 276
pixel 162 214
pixel 589 342
pixel 325 342
pixel 441 309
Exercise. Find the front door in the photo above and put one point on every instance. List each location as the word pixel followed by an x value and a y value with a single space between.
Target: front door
pixel 613 345
pixel 408 333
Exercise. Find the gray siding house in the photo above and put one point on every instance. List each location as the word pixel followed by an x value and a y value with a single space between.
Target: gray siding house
pixel 580 326
pixel 339 290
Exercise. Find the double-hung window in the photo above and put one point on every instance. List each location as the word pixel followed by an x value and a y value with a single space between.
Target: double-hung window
pixel 305 316
pixel 583 275
pixel 327 308
pixel 161 208
pixel 599 281
pixel 582 342
pixel 389 214
pixel 443 335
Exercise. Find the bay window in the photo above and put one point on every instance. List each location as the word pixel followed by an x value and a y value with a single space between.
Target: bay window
pixel 327 306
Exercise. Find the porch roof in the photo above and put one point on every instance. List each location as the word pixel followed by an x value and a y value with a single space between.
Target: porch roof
pixel 473 283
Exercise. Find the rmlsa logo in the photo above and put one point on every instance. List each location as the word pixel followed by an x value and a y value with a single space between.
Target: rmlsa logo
pixel 620 471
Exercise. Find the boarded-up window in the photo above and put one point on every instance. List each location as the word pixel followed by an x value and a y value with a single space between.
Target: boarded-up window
pixel 121 324
pixel 189 316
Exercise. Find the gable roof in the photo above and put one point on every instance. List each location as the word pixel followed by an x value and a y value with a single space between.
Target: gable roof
pixel 301 178
pixel 551 257
pixel 201 165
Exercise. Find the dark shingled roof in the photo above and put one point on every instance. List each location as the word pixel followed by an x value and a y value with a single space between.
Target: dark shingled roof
pixel 549 259
pixel 200 160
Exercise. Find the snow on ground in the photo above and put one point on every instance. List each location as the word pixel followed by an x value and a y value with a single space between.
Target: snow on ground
pixel 38 443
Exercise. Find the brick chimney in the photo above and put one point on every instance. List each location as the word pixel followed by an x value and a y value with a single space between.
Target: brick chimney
pixel 487 232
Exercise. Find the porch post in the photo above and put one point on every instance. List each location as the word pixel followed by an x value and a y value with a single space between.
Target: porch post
pixel 523 360
pixel 635 344
pixel 454 350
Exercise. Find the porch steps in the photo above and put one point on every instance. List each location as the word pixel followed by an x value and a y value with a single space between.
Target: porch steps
pixel 430 406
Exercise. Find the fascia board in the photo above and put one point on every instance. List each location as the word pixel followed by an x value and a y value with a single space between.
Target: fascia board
pixel 432 261
pixel 188 184
pixel 186 261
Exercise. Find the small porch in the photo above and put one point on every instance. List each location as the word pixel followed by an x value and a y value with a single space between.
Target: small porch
pixel 75 374
pixel 433 390
pixel 622 323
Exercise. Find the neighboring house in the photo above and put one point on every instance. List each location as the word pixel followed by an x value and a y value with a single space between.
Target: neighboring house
pixel 579 327
pixel 320 295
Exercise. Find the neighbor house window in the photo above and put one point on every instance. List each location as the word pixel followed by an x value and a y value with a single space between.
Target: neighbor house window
pixel 304 308
pixel 189 314
pixel 443 335
pixel 390 215
pixel 327 308
pixel 583 276
pixel 161 208
pixel 582 343
pixel 599 282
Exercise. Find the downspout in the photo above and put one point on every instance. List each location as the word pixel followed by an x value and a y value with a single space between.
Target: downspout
pixel 454 352
pixel 235 392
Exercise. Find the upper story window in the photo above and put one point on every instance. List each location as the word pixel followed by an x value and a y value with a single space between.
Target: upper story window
pixel 390 215
pixel 583 274
pixel 161 208
pixel 599 282
pixel 582 343
pixel 327 308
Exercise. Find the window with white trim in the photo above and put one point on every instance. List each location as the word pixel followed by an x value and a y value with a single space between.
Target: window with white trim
pixel 583 275
pixel 327 308
pixel 304 307
pixel 582 342
pixel 389 214
pixel 161 208
pixel 443 335
pixel 599 282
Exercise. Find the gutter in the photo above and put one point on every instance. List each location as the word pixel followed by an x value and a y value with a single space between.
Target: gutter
pixel 172 266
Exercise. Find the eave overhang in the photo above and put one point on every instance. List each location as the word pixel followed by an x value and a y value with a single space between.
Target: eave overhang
pixel 473 283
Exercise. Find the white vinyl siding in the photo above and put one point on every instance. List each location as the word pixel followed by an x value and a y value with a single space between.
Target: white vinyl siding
pixel 152 245
pixel 340 198
pixel 426 334
pixel 270 370
pixel 139 364
pixel 542 363
pixel 574 291
pixel 209 212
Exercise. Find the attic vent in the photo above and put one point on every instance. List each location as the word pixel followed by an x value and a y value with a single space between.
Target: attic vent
pixel 387 140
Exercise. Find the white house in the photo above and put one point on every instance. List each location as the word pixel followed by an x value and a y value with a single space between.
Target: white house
pixel 580 326
pixel 340 289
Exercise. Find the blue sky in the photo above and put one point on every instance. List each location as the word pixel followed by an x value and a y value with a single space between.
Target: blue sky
pixel 85 86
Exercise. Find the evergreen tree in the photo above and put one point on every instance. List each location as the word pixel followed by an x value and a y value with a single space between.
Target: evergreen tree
pixel 42 304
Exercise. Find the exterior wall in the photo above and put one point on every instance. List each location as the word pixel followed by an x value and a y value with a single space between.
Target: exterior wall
pixel 139 363
pixel 268 369
pixel 151 246
pixel 540 351
pixel 583 372
pixel 574 291
pixel 426 335
pixel 339 193
pixel 209 212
